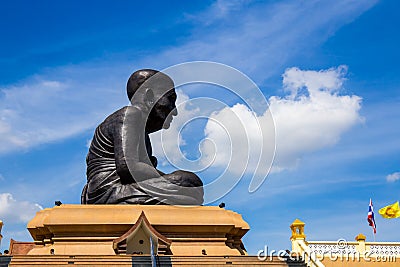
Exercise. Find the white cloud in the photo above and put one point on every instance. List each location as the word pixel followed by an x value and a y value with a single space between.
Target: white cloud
pixel 13 211
pixel 314 115
pixel 330 80
pixel 393 177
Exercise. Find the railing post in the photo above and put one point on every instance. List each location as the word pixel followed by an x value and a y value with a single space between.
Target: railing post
pixel 360 238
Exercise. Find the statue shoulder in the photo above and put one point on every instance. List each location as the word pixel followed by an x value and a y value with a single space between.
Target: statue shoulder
pixel 113 124
pixel 124 114
pixel 115 117
pixel 113 121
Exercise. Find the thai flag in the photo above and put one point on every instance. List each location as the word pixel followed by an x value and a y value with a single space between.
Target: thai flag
pixel 371 218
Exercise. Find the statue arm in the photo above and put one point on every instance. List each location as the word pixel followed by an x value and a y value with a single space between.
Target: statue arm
pixel 130 165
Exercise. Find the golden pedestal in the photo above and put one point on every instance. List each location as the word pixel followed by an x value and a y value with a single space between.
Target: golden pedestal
pixel 137 229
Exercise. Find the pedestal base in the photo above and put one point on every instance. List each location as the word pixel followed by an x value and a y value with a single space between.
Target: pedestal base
pixel 103 229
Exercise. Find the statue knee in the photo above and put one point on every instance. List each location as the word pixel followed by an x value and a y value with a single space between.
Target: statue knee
pixel 185 178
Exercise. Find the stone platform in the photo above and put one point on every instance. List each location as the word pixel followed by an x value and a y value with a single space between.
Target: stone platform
pixel 145 261
pixel 136 230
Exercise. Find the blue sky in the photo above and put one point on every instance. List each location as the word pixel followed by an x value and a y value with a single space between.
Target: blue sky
pixel 329 70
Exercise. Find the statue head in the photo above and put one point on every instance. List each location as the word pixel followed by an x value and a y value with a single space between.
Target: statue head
pixel 155 90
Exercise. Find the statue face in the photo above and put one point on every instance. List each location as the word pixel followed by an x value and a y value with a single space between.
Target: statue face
pixel 164 109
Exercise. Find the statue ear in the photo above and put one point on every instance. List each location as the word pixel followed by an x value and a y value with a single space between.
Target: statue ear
pixel 149 97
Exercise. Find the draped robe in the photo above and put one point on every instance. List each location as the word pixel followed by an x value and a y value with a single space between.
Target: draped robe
pixel 109 169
